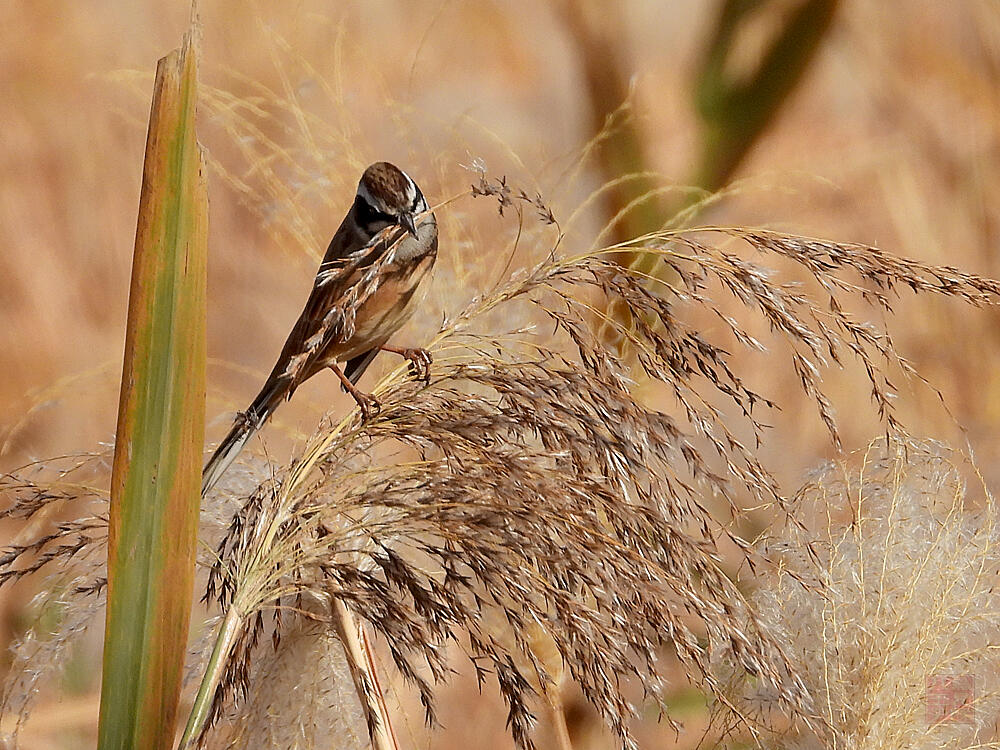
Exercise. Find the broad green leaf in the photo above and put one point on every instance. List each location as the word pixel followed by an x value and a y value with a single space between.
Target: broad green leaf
pixel 156 478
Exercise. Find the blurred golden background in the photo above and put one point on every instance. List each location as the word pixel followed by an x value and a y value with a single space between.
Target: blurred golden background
pixel 891 137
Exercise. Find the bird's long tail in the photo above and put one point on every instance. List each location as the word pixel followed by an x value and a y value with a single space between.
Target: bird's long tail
pixel 246 426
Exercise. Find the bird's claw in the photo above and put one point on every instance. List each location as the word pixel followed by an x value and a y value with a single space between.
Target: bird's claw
pixel 420 363
pixel 368 404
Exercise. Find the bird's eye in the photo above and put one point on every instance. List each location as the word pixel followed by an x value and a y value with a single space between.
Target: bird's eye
pixel 370 217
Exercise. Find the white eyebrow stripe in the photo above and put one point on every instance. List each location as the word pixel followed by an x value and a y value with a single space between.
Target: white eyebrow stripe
pixel 412 191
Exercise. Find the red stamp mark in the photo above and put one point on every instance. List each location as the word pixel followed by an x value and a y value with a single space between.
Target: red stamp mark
pixel 951 699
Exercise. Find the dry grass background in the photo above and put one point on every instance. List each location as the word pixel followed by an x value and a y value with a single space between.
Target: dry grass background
pixel 892 140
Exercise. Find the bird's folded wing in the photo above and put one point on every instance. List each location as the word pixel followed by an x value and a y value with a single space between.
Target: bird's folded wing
pixel 328 318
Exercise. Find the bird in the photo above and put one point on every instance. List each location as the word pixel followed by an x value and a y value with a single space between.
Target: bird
pixel 364 291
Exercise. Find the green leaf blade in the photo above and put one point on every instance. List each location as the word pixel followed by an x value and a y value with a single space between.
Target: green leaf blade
pixel 156 476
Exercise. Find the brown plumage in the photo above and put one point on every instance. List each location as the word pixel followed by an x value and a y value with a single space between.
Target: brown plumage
pixel 363 293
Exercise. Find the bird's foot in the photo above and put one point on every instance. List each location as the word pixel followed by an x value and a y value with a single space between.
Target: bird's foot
pixel 420 361
pixel 369 405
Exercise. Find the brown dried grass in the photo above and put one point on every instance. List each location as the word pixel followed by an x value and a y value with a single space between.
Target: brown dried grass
pixel 527 479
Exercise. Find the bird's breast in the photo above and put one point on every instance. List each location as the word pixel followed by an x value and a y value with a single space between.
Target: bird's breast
pixel 390 305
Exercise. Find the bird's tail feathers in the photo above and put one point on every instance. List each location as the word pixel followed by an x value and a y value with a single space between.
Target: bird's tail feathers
pixel 246 426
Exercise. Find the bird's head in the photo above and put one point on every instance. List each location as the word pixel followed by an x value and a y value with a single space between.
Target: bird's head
pixel 386 197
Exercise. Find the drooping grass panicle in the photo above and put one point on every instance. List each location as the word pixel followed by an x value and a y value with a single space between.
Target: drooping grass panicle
pixel 520 498
pixel 69 554
pixel 529 485
pixel 45 544
pixel 537 485
pixel 821 329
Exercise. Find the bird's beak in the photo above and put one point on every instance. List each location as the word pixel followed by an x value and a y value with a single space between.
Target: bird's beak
pixel 406 221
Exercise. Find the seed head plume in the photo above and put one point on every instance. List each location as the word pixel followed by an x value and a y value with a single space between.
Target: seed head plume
pixel 886 601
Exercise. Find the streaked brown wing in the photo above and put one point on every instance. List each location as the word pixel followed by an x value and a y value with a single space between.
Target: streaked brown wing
pixel 341 285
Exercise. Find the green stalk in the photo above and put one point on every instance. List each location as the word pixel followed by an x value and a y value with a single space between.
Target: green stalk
pixel 202 707
pixel 156 475
pixel 735 112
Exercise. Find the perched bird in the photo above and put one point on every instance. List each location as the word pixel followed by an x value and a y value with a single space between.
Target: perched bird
pixel 363 293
